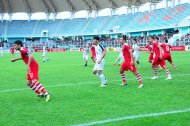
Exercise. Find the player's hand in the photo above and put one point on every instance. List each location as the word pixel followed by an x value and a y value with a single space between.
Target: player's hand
pixel 132 63
pixel 99 61
pixel 13 60
pixel 160 56
pixel 28 68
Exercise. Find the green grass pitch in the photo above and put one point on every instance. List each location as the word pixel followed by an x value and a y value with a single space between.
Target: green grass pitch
pixel 78 99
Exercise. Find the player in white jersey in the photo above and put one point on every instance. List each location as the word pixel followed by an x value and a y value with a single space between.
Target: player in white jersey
pixel 120 59
pixel 136 52
pixel 86 51
pixel 44 53
pixel 99 61
pixel 1 51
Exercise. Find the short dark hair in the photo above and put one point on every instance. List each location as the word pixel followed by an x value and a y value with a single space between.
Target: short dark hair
pixel 124 37
pixel 166 40
pixel 156 38
pixel 135 40
pixel 18 42
pixel 151 37
pixel 96 38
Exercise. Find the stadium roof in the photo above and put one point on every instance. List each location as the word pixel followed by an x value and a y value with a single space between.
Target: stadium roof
pixel 56 6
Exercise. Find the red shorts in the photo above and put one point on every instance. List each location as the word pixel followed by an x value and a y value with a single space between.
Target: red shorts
pixel 168 58
pixel 12 52
pixel 157 61
pixel 126 66
pixel 33 72
pixel 150 57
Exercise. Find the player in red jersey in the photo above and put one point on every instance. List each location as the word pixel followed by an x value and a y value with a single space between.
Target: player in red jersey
pixel 128 62
pixel 149 47
pixel 158 58
pixel 32 68
pixel 12 50
pixel 93 57
pixel 167 52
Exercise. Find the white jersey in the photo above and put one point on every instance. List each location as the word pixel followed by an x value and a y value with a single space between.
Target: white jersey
pixel 44 48
pixel 86 51
pixel 136 49
pixel 99 50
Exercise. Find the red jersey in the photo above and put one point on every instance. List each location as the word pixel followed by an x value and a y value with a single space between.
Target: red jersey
pixel 166 48
pixel 155 48
pixel 12 50
pixel 126 54
pixel 24 54
pixel 93 52
pixel 149 47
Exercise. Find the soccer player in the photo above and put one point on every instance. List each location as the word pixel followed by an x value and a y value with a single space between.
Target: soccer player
pixel 86 53
pixel 1 51
pixel 149 47
pixel 99 61
pixel 120 59
pixel 136 52
pixel 128 63
pixel 93 57
pixel 167 52
pixel 12 50
pixel 44 53
pixel 158 58
pixel 32 69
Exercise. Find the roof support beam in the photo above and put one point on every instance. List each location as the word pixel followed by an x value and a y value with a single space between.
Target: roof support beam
pixel 10 10
pixel 71 5
pixel 113 4
pixel 53 5
pixel 88 5
pixel 29 10
pixel 96 5
pixel 46 6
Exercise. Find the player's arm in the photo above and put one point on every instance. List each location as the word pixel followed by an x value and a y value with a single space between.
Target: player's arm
pixel 103 55
pixel 13 60
pixel 30 57
pixel 160 48
pixel 131 54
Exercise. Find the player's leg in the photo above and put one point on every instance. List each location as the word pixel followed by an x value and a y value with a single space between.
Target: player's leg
pixel 138 76
pixel 163 65
pixel 137 58
pixel 36 84
pixel 122 72
pixel 33 87
pixel 171 62
pixel 102 77
pixel 154 68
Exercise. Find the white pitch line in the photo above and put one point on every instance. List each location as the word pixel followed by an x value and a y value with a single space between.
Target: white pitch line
pixel 84 83
pixel 133 117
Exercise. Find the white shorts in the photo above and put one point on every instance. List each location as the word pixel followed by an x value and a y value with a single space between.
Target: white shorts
pixel 44 54
pixel 99 66
pixel 137 56
pixel 85 57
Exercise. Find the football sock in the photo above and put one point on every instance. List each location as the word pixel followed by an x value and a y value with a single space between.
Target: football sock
pixel 139 78
pixel 155 71
pixel 103 79
pixel 123 78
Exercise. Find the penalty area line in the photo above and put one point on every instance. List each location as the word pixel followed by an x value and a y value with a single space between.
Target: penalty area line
pixel 134 117
pixel 84 83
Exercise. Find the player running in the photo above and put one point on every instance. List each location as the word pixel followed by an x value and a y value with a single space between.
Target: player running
pixel 99 61
pixel 158 58
pixel 86 53
pixel 149 47
pixel 136 52
pixel 120 59
pixel 32 68
pixel 12 50
pixel 93 57
pixel 128 63
pixel 167 52
pixel 44 53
